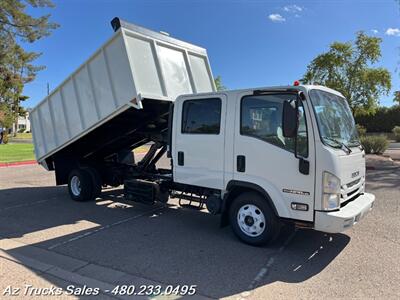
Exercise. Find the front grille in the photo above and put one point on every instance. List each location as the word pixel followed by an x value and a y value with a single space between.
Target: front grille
pixel 353 183
pixel 351 191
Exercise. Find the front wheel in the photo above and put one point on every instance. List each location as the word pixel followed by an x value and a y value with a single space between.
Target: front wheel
pixel 252 219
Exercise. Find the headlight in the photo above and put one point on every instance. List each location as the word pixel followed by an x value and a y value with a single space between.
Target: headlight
pixel 330 192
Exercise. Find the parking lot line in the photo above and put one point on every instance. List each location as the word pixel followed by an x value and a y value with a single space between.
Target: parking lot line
pixel 265 269
pixel 86 234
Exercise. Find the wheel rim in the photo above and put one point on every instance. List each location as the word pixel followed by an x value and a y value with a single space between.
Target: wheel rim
pixel 251 220
pixel 76 186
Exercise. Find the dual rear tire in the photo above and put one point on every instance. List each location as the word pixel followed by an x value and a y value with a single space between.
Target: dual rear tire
pixel 84 184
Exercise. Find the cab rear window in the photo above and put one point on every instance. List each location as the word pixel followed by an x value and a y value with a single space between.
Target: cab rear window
pixel 201 116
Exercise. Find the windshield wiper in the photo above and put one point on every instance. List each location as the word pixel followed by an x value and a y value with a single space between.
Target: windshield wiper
pixel 342 145
pixel 354 143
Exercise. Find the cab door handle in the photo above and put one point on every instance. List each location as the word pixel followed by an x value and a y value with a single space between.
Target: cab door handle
pixel 181 158
pixel 241 163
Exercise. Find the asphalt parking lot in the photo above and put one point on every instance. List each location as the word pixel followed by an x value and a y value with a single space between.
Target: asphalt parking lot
pixel 46 240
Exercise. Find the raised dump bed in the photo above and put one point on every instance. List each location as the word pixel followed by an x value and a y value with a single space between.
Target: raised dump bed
pixel 119 96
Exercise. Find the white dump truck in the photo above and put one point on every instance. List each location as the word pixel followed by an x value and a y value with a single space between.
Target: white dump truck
pixel 258 157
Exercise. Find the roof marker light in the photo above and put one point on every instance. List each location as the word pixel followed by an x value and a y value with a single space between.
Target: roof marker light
pixel 296 83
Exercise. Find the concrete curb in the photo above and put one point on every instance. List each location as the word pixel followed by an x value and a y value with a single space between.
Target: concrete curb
pixel 18 163
pixel 33 162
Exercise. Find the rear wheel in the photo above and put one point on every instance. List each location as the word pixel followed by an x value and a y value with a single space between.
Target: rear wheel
pixel 252 219
pixel 80 185
pixel 96 180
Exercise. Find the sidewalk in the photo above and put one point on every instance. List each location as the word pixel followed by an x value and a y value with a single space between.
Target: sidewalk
pixel 20 141
pixel 393 154
pixel 393 151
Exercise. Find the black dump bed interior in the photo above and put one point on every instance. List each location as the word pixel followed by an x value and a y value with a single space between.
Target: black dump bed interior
pixel 128 130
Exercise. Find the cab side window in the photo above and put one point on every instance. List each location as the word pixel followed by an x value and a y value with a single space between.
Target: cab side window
pixel 261 117
pixel 201 116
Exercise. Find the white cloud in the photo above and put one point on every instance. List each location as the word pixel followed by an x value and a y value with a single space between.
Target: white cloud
pixel 393 31
pixel 276 18
pixel 374 31
pixel 292 8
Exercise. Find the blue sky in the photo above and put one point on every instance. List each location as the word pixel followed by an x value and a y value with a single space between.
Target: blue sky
pixel 250 43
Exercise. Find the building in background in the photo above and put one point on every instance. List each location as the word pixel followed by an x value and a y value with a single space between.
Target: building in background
pixel 24 123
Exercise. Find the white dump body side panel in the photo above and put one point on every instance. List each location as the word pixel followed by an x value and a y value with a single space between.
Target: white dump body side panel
pixel 131 64
pixel 201 73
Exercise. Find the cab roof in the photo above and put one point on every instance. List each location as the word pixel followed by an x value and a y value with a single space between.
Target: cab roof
pixel 304 88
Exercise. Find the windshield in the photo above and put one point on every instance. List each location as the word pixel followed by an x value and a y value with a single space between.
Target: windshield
pixel 335 120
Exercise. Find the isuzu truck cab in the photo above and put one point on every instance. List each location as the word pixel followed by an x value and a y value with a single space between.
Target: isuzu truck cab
pixel 288 153
pixel 257 157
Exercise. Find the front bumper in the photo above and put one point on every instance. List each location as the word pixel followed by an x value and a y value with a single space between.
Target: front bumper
pixel 346 217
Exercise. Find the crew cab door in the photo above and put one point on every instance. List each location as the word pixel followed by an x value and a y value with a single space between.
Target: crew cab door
pixel 198 140
pixel 264 157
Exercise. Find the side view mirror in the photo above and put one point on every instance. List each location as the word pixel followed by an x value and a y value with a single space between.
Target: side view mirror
pixel 289 119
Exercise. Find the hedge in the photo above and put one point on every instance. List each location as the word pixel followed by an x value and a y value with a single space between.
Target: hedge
pixel 374 144
pixel 385 119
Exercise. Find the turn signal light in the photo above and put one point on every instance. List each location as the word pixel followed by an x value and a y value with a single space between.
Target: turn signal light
pixel 299 206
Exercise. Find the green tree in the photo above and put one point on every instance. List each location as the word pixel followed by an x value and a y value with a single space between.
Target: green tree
pixel 218 84
pixel 397 97
pixel 347 68
pixel 23 72
pixel 17 23
pixel 16 65
pixel 6 118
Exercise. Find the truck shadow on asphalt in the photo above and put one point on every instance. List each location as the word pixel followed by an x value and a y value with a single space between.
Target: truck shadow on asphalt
pixel 167 244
